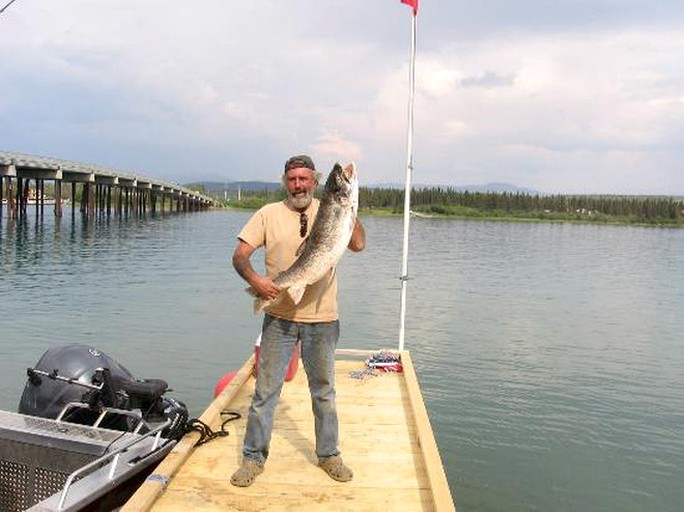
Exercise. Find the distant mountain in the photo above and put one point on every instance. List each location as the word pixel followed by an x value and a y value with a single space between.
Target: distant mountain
pixel 218 187
pixel 498 188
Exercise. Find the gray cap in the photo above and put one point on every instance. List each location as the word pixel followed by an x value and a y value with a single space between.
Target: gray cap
pixel 299 161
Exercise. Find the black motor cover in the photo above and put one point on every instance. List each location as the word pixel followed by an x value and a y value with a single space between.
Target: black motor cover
pixel 45 396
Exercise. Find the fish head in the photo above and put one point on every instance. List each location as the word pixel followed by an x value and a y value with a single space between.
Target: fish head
pixel 343 184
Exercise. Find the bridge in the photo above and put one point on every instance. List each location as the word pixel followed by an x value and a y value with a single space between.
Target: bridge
pixel 99 190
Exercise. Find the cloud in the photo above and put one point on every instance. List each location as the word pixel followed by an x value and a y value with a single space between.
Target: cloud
pixel 598 99
pixel 581 97
pixel 334 147
pixel 488 79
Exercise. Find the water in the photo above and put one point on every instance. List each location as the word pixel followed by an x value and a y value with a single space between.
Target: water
pixel 550 355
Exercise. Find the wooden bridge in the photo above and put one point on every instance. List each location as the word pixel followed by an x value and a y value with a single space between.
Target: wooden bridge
pixel 102 191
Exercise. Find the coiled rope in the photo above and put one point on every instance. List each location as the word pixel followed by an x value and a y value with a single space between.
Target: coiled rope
pixel 206 433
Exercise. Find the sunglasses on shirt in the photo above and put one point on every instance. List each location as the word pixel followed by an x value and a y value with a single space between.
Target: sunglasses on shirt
pixel 303 224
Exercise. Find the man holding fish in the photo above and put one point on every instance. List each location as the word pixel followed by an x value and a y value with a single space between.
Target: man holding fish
pixel 303 240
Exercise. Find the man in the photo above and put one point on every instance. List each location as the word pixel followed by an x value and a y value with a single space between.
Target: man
pixel 281 227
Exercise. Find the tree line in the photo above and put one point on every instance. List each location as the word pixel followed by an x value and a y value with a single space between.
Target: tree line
pixel 450 201
pixel 447 201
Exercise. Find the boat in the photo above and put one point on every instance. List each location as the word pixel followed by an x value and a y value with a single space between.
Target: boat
pixel 45 201
pixel 85 435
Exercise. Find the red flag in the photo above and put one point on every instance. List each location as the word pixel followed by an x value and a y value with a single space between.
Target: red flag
pixel 412 3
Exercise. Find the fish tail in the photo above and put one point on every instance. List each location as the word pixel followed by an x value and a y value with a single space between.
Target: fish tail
pixel 259 305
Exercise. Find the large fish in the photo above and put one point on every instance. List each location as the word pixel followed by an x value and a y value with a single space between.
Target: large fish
pixel 328 239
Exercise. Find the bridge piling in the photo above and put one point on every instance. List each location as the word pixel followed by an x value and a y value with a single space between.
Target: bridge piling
pixel 58 198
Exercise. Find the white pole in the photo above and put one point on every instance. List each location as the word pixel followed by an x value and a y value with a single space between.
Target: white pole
pixel 407 184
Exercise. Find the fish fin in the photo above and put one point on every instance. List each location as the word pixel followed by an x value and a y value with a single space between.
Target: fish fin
pixel 251 291
pixel 259 305
pixel 296 292
pixel 350 169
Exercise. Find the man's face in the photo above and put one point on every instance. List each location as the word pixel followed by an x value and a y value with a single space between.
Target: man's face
pixel 300 184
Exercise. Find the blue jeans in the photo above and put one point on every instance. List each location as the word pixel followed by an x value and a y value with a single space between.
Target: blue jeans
pixel 278 340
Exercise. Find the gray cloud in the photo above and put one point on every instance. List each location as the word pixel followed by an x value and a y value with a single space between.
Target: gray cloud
pixel 488 79
pixel 559 96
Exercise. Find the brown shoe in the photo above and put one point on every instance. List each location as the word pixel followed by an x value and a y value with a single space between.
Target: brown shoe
pixel 247 473
pixel 336 469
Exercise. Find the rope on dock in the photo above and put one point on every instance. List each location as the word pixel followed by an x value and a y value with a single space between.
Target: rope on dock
pixel 206 433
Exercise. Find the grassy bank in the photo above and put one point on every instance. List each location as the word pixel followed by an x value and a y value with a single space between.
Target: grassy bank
pixel 472 213
pixel 440 203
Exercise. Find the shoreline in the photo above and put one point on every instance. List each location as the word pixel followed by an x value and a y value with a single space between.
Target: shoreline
pixel 503 217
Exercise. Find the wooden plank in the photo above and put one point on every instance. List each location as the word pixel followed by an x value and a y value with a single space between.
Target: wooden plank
pixel 397 435
pixel 280 497
pixel 296 468
pixel 438 481
pixel 383 437
pixel 150 490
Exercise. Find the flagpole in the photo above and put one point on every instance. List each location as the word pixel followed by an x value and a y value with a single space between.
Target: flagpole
pixel 407 184
pixel 7 5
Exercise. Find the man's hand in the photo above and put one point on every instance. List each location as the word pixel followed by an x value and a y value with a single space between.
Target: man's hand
pixel 264 287
pixel 357 242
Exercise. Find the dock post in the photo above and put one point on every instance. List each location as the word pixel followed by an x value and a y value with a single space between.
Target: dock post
pixel 117 208
pixel 25 196
pixel 20 197
pixel 99 199
pixel 11 204
pixel 91 201
pixel 39 198
pixel 73 198
pixel 84 197
pixel 58 198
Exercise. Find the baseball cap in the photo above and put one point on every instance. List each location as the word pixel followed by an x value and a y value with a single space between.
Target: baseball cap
pixel 299 161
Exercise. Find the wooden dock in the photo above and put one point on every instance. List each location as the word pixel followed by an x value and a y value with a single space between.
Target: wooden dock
pixel 385 437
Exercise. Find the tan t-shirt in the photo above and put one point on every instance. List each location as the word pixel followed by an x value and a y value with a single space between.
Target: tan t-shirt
pixel 276 227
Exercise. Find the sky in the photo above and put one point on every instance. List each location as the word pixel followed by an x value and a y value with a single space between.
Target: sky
pixel 572 97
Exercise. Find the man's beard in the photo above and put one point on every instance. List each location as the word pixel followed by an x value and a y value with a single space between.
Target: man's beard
pixel 301 202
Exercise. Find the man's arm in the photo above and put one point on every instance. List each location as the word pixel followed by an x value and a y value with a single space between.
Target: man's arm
pixel 357 242
pixel 262 286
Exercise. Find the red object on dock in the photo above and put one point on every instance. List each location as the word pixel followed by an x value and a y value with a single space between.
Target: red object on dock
pixel 292 368
pixel 223 382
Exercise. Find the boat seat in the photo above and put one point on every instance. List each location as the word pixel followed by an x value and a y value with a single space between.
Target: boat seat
pixel 143 391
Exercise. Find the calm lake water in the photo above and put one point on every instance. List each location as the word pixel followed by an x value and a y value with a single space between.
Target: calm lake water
pixel 551 356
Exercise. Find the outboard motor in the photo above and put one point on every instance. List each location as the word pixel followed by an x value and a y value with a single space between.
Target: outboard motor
pixel 79 373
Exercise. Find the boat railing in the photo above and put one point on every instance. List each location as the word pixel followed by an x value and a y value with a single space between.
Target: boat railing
pixel 136 415
pixel 115 456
